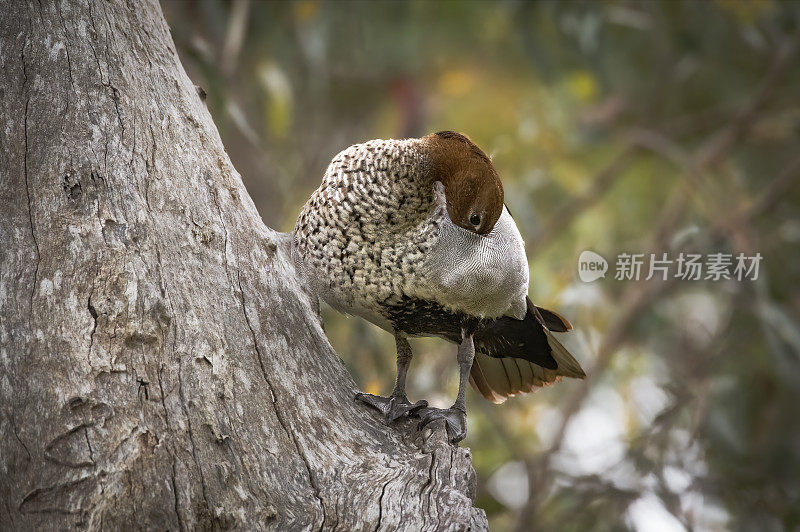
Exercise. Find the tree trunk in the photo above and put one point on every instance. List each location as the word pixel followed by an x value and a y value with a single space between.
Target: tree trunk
pixel 160 365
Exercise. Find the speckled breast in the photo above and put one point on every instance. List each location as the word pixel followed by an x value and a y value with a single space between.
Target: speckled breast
pixel 363 234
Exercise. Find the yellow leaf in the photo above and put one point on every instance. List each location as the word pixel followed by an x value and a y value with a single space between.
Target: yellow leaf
pixel 305 9
pixel 582 85
pixel 747 11
pixel 456 82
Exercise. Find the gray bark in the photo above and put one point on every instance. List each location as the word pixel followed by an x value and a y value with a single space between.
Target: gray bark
pixel 160 365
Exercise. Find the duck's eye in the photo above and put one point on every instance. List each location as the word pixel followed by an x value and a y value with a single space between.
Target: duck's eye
pixel 475 219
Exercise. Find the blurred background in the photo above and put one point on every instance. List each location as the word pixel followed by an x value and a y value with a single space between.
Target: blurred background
pixel 637 127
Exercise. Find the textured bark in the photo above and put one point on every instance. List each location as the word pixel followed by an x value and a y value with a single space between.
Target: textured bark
pixel 160 366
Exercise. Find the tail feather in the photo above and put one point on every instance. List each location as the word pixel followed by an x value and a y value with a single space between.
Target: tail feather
pixel 528 377
pixel 518 356
pixel 554 321
pixel 567 365
pixel 489 377
pixel 513 373
pixel 485 376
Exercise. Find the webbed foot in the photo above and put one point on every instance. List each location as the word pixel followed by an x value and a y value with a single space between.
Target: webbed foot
pixel 454 418
pixel 392 407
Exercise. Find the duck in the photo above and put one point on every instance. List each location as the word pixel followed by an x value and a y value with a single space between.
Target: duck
pixel 414 236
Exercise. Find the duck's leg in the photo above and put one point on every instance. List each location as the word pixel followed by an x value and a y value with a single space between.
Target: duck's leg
pixel 397 404
pixel 455 417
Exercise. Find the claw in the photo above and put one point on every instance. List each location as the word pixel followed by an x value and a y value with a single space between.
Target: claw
pixel 455 421
pixel 393 407
pixel 400 406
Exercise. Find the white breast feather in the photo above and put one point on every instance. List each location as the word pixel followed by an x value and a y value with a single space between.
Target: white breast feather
pixel 482 275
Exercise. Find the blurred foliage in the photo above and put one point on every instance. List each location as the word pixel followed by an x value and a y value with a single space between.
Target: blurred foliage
pixel 618 127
